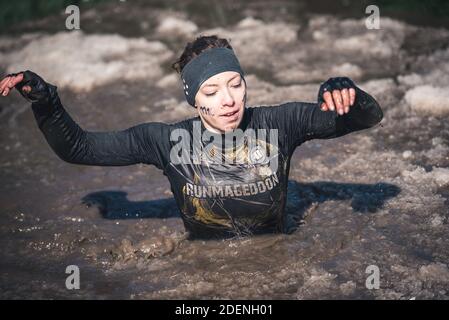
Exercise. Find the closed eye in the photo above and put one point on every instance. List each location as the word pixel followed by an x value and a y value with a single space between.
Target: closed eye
pixel 213 93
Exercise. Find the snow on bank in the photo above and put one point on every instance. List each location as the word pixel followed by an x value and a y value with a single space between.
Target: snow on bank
pixel 255 40
pixel 353 36
pixel 429 100
pixel 176 26
pixel 82 62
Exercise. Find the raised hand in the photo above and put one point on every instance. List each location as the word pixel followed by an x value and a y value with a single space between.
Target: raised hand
pixel 337 94
pixel 30 85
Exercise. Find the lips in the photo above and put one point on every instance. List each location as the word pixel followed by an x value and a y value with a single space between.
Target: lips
pixel 229 114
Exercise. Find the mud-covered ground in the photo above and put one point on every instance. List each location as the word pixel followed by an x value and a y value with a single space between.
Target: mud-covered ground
pixel 377 197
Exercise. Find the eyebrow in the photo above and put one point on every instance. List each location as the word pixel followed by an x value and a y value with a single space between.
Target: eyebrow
pixel 216 85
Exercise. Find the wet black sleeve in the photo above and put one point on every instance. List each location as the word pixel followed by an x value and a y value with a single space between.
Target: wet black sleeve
pixel 302 121
pixel 144 143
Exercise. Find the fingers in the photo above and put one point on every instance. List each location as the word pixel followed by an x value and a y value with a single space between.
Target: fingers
pixel 3 84
pixel 5 92
pixel 352 96
pixel 339 100
pixel 336 95
pixel 18 79
pixel 328 99
pixel 345 96
pixel 8 83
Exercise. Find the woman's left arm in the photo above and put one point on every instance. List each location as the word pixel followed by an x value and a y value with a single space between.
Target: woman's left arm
pixel 342 108
pixel 354 108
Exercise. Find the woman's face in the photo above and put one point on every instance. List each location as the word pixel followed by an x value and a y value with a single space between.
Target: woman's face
pixel 220 101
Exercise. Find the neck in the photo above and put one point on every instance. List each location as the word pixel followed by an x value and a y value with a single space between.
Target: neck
pixel 212 129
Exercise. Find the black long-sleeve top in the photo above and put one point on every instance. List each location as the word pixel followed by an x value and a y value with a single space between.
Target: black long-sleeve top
pixel 245 193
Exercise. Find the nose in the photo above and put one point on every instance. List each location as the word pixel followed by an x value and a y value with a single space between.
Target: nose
pixel 228 99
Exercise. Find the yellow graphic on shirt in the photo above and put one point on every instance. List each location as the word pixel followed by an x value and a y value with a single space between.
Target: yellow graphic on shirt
pixel 257 173
pixel 207 216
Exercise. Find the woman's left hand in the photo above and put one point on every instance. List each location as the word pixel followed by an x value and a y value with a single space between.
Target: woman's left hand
pixel 337 94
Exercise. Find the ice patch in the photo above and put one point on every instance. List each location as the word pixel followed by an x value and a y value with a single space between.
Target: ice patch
pixel 435 272
pixel 304 73
pixel 254 40
pixel 173 110
pixel 348 70
pixel 441 176
pixel 369 40
pixel 353 36
pixel 436 72
pixel 265 93
pixel 429 100
pixel 439 152
pixel 81 62
pixel 438 177
pixel 169 81
pixel 176 26
pixel 318 282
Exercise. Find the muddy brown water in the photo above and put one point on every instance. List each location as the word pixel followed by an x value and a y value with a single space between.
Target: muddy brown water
pixel 55 214
pixel 348 209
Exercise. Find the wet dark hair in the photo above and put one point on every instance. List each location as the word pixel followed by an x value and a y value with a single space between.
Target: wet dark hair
pixel 196 47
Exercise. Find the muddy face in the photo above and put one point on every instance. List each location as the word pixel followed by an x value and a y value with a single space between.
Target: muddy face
pixel 221 101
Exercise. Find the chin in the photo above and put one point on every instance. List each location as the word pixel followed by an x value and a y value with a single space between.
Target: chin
pixel 230 126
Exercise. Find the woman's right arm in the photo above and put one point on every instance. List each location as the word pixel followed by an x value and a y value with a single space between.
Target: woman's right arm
pixel 143 143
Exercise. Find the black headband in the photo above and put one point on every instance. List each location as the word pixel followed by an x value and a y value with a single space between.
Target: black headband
pixel 207 64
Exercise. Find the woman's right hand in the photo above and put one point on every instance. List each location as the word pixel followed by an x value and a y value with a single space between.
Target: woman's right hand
pixel 30 86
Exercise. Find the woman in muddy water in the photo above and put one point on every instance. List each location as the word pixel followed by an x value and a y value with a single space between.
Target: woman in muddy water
pixel 228 167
